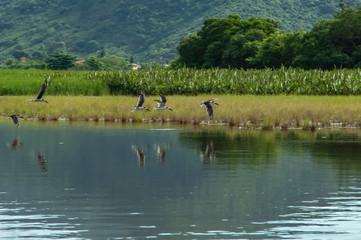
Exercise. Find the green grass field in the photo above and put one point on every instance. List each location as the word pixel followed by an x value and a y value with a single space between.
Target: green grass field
pixel 284 81
pixel 266 112
pixel 255 98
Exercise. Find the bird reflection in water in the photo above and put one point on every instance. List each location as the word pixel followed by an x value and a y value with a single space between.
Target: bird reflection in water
pixel 209 155
pixel 141 156
pixel 160 151
pixel 42 161
pixel 17 143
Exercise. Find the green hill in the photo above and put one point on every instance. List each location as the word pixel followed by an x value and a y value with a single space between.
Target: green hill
pixel 143 29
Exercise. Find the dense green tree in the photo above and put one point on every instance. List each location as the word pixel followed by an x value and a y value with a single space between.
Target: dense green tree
pixel 17 54
pixel 257 43
pixel 225 42
pixel 101 53
pixel 94 63
pixel 332 43
pixel 242 47
pixel 61 61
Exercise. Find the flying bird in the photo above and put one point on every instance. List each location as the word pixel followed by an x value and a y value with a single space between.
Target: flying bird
pixel 161 103
pixel 211 101
pixel 15 119
pixel 140 102
pixel 209 108
pixel 39 98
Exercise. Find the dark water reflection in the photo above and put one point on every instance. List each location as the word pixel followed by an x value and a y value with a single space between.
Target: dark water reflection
pixel 107 181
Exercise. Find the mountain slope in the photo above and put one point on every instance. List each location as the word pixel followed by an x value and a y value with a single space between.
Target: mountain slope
pixel 147 30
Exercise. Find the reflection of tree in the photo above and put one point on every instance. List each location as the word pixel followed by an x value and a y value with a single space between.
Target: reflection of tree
pixel 17 143
pixel 342 149
pixel 234 148
pixel 42 161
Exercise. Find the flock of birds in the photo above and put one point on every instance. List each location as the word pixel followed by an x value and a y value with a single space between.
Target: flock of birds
pixel 161 104
pixel 163 100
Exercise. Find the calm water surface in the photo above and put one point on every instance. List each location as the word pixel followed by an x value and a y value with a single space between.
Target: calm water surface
pixel 108 181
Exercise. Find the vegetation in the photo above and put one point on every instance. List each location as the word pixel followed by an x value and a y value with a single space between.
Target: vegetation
pixel 308 112
pixel 28 82
pixel 59 61
pixel 257 43
pixel 283 81
pixel 63 61
pixel 147 30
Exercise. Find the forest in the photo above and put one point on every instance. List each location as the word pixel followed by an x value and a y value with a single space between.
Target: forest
pixel 258 43
pixel 147 31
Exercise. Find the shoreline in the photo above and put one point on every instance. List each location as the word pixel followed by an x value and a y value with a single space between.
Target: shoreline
pixel 240 111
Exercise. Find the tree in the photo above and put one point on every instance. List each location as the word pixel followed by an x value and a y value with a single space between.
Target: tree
pixel 60 61
pixel 225 42
pixel 94 64
pixel 17 54
pixel 101 53
pixel 242 47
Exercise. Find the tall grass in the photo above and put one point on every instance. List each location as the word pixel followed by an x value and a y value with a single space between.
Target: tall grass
pixel 283 81
pixel 229 81
pixel 28 82
pixel 245 111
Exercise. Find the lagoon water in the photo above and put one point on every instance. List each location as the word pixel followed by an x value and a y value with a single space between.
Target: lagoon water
pixel 113 181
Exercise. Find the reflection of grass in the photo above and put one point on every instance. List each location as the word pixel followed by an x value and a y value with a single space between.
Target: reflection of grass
pixel 246 111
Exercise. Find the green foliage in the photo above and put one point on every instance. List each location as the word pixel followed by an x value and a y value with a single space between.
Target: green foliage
pixel 101 53
pixel 226 81
pixel 185 81
pixel 28 64
pixel 145 29
pixel 115 63
pixel 257 43
pixel 94 63
pixel 60 61
pixel 225 42
pixel 28 82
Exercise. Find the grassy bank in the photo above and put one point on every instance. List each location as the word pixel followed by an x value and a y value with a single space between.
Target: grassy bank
pixel 244 111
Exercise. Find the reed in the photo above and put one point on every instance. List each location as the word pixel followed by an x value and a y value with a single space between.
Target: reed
pixel 248 111
pixel 283 81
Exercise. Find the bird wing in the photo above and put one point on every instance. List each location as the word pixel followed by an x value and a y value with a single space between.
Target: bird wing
pixel 209 109
pixel 15 120
pixel 160 103
pixel 208 101
pixel 42 91
pixel 141 100
pixel 163 99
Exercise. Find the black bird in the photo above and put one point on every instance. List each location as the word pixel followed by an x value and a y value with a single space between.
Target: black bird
pixel 15 119
pixel 209 107
pixel 141 100
pixel 39 98
pixel 161 103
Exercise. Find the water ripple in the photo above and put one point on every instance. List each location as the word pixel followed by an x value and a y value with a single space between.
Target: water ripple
pixel 336 217
pixel 18 221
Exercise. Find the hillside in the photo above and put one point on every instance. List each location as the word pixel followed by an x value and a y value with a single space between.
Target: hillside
pixel 146 30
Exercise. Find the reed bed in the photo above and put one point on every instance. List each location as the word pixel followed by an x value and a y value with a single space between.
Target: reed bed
pixel 286 81
pixel 283 81
pixel 247 111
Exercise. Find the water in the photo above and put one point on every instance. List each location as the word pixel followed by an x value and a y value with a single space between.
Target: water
pixel 108 181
